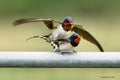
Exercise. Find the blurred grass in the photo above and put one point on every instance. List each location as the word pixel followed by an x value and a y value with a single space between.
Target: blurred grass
pixel 100 17
pixel 59 73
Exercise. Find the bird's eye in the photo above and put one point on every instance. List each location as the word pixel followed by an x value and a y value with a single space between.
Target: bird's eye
pixel 67 21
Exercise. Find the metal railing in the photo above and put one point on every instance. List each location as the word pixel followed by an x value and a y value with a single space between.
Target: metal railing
pixel 58 60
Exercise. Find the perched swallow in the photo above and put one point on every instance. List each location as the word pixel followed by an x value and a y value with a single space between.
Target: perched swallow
pixel 66 44
pixel 62 30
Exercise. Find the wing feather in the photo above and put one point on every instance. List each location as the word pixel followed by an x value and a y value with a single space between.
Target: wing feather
pixel 48 22
pixel 86 35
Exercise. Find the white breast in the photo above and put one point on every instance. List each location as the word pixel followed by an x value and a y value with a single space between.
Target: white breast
pixel 59 33
pixel 66 47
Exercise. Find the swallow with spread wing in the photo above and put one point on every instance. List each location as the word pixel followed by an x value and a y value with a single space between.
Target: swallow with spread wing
pixel 62 30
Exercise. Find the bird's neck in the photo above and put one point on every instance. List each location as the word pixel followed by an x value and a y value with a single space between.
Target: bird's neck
pixel 74 44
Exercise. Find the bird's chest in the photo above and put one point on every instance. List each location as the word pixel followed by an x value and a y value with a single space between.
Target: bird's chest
pixel 60 33
pixel 63 34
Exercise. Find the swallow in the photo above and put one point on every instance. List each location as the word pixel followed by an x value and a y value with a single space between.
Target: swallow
pixel 61 30
pixel 66 44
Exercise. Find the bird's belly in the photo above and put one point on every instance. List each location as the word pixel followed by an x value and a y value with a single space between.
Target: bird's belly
pixel 66 47
pixel 63 35
pixel 59 33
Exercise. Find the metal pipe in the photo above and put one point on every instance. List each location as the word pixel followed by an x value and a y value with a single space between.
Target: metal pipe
pixel 58 60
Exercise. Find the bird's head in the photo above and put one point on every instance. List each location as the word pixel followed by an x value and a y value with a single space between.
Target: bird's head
pixel 67 23
pixel 75 39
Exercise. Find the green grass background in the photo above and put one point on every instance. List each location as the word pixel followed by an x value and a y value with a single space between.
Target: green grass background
pixel 100 17
pixel 60 74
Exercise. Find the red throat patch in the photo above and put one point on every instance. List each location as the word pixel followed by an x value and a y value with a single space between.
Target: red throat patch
pixel 77 40
pixel 67 26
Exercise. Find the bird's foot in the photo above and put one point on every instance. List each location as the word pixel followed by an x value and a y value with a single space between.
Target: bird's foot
pixel 74 51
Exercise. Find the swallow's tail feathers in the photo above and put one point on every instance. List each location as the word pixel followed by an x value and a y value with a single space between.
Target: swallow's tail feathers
pixel 55 46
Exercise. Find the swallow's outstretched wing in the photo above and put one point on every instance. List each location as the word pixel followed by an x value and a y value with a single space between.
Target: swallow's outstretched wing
pixel 86 35
pixel 50 23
